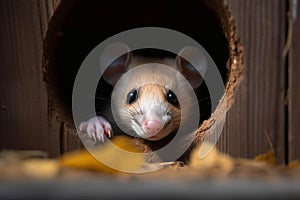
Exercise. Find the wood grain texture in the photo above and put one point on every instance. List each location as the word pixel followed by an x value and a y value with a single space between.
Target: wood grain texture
pixel 258 112
pixel 294 91
pixel 24 104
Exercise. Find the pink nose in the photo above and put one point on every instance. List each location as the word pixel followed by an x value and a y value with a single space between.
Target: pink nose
pixel 152 126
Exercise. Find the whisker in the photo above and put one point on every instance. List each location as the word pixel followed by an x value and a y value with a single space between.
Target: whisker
pixel 198 101
pixel 120 122
pixel 139 107
pixel 203 99
pixel 99 98
pixel 123 116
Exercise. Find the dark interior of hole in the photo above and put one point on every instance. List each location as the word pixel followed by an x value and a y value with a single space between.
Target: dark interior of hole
pixel 78 26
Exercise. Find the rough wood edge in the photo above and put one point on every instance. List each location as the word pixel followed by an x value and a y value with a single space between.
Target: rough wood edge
pixel 235 65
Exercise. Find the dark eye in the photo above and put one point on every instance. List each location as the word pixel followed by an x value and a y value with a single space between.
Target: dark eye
pixel 171 98
pixel 132 96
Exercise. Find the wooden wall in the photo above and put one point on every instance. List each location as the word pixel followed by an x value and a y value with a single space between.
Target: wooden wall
pixel 23 99
pixel 259 110
pixel 293 99
pixel 266 105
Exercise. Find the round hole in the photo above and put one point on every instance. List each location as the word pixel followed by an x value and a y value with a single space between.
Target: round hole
pixel 78 26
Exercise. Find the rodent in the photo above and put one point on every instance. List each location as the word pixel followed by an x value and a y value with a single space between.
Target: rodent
pixel 150 111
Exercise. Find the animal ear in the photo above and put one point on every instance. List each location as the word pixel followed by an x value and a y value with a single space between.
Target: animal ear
pixel 117 57
pixel 190 61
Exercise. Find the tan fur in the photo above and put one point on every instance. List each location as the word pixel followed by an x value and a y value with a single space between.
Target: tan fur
pixel 152 80
pixel 153 94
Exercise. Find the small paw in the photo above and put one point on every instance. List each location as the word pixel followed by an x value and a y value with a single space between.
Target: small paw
pixel 96 128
